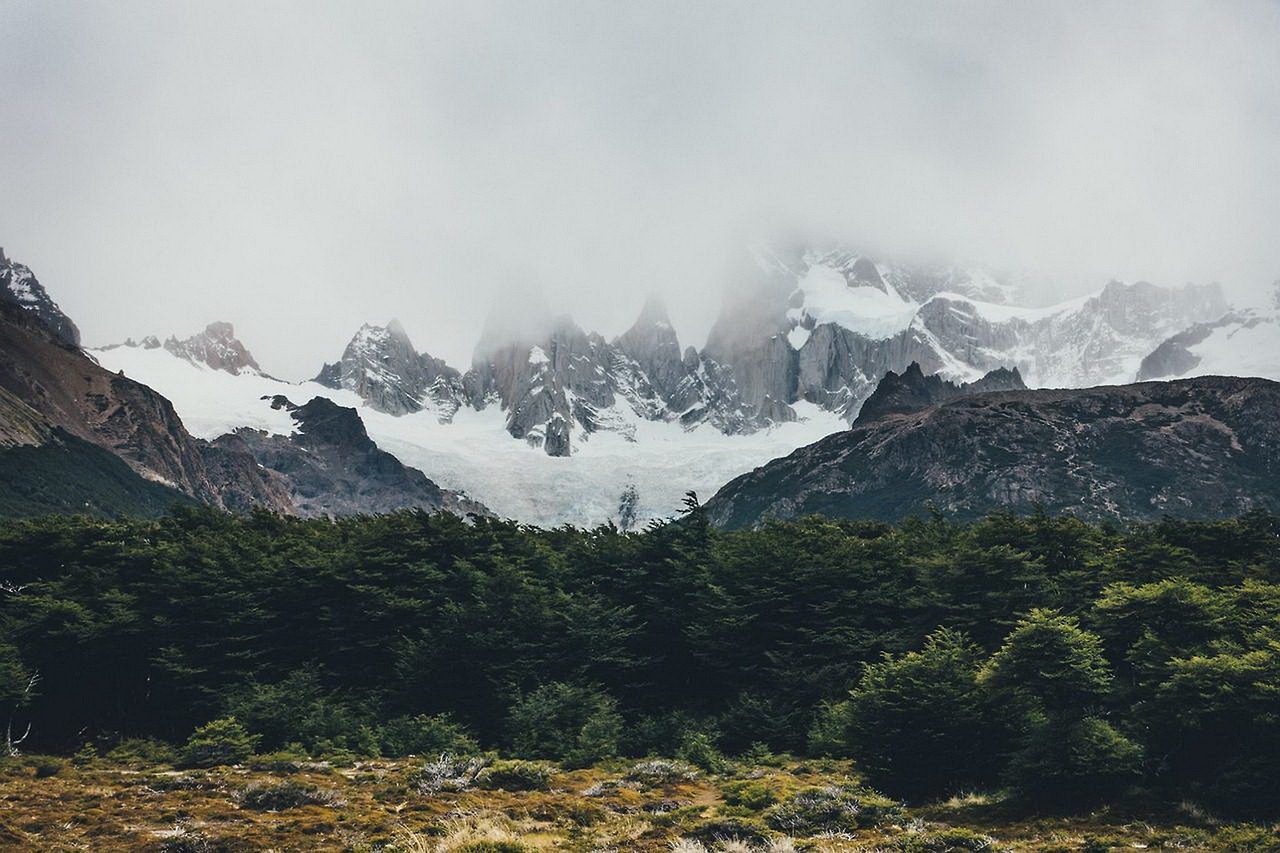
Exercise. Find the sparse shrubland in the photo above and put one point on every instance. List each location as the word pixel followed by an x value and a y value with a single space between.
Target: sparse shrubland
pixel 678 683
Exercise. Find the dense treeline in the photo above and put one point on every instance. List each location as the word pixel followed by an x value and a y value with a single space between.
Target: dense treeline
pixel 1061 659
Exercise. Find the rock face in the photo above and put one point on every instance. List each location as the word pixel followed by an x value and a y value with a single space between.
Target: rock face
pixel 331 467
pixel 1245 342
pixel 382 367
pixel 20 287
pixel 71 392
pixel 814 325
pixel 1206 447
pixel 912 390
pixel 216 347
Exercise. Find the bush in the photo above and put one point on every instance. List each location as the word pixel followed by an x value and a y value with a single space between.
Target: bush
pixel 144 751
pixel 575 725
pixel 515 776
pixel 1073 764
pixel 47 765
pixel 292 757
pixel 425 735
pixel 756 717
pixel 829 732
pixel 755 795
pixel 448 773
pixel 298 708
pixel 831 810
pixel 729 829
pixel 656 772
pixel 492 847
pixel 918 723
pixel 700 750
pixel 222 741
pixel 954 840
pixel 286 795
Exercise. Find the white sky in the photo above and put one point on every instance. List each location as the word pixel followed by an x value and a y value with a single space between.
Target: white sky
pixel 300 168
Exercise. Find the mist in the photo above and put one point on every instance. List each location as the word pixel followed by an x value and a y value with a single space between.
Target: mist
pixel 301 168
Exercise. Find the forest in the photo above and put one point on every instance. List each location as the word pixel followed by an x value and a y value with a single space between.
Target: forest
pixel 1061 661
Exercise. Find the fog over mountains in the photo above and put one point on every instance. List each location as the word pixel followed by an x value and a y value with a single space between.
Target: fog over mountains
pixel 637 420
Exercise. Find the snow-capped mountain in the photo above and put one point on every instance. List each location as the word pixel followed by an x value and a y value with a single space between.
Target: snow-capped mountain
pixel 216 347
pixel 1240 343
pixel 552 423
pixel 19 286
pixel 381 367
pixel 821 326
pixel 846 320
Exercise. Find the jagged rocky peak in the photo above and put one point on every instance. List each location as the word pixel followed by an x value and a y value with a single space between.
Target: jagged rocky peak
pixel 216 347
pixel 331 467
pixel 654 347
pixel 382 367
pixel 912 390
pixel 553 382
pixel 19 286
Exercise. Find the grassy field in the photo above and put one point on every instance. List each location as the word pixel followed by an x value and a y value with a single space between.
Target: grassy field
pixel 417 805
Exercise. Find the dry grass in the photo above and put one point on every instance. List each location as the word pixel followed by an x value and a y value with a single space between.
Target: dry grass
pixel 380 805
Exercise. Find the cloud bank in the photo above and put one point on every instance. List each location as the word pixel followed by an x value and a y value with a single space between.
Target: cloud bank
pixel 298 168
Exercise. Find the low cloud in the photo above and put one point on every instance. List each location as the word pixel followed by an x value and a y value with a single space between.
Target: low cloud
pixel 300 168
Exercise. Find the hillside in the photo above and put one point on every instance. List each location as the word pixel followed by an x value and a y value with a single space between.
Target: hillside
pixel 1206 447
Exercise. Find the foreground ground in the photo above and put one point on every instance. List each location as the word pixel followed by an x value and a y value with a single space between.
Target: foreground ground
pixel 390 805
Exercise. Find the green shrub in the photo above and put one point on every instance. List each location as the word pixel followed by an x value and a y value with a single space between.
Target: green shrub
pixel 492 847
pixel 515 776
pixel 954 840
pixel 829 731
pixel 574 725
pixel 267 797
pixel 833 809
pixel 917 724
pixel 729 829
pixel 425 735
pixel 699 749
pixel 1073 764
pixel 143 751
pixel 221 741
pixel 754 794
pixel 287 760
pixel 299 708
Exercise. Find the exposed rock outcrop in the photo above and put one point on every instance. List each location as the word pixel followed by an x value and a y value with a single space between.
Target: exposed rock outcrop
pixel 19 286
pixel 331 467
pixel 382 367
pixel 1201 448
pixel 72 392
pixel 216 347
pixel 912 390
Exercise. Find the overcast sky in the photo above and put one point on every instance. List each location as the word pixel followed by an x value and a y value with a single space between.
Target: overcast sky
pixel 301 168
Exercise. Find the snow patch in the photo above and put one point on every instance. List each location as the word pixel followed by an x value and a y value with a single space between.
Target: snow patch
pixel 475 454
pixel 868 311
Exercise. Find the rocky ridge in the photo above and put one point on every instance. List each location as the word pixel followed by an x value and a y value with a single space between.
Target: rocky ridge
pixel 217 347
pixel 332 468
pixel 820 326
pixel 20 287
pixel 1201 448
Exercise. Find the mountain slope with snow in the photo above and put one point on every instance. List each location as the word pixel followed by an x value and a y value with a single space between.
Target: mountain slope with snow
pixel 475 453
pixel 1240 343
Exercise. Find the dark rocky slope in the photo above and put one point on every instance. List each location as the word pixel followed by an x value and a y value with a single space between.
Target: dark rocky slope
pixel 1198 448
pixel 72 392
pixel 331 467
pixel 912 389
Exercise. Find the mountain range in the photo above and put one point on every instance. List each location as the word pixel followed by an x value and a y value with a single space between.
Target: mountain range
pixel 809 342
